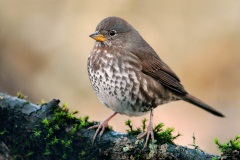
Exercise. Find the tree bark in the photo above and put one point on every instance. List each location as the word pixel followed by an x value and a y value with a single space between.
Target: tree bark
pixel 20 117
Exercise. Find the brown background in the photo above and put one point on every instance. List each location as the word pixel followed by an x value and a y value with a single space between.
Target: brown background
pixel 44 46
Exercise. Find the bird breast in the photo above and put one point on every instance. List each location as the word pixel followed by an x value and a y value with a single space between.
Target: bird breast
pixel 119 83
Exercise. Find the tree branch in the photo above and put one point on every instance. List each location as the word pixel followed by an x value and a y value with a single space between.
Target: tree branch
pixel 39 132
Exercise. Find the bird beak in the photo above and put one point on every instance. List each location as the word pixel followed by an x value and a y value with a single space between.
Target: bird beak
pixel 98 36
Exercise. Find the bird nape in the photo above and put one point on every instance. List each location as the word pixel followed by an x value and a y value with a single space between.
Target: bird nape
pixel 129 77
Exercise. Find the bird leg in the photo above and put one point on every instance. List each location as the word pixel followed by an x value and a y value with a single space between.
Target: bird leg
pixel 101 126
pixel 148 132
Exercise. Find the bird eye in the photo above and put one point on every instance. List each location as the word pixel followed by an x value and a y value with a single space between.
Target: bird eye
pixel 112 33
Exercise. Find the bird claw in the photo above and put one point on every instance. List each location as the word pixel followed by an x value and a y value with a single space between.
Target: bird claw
pixel 101 126
pixel 147 134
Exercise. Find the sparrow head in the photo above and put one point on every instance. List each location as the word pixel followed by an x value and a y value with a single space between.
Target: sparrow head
pixel 113 31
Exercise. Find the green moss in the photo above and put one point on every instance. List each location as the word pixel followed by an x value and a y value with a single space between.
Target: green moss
pixel 194 144
pixel 230 149
pixel 132 131
pixel 56 137
pixel 41 102
pixel 20 95
pixel 161 135
pixel 165 136
pixel 137 156
pixel 45 122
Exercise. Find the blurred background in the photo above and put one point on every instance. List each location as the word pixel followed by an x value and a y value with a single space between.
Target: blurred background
pixel 44 46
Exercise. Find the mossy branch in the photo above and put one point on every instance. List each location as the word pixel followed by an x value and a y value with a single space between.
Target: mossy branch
pixel 48 131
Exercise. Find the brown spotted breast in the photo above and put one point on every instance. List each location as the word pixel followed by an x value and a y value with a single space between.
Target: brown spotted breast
pixel 119 83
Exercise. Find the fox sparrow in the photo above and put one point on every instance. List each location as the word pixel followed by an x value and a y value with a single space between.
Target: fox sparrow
pixel 129 77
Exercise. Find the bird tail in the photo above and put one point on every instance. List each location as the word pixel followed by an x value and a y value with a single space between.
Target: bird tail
pixel 191 99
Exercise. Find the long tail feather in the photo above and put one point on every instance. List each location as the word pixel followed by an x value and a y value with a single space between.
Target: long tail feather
pixel 191 99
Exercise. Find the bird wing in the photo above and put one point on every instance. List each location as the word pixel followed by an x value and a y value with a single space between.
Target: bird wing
pixel 154 67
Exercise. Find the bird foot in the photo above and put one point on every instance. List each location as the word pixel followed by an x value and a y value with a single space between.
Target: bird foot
pixel 147 133
pixel 101 126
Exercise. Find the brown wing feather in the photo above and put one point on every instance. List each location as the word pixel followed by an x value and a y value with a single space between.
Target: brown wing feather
pixel 164 75
pixel 153 66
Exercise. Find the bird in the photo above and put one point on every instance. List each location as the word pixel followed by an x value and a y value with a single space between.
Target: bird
pixel 130 78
